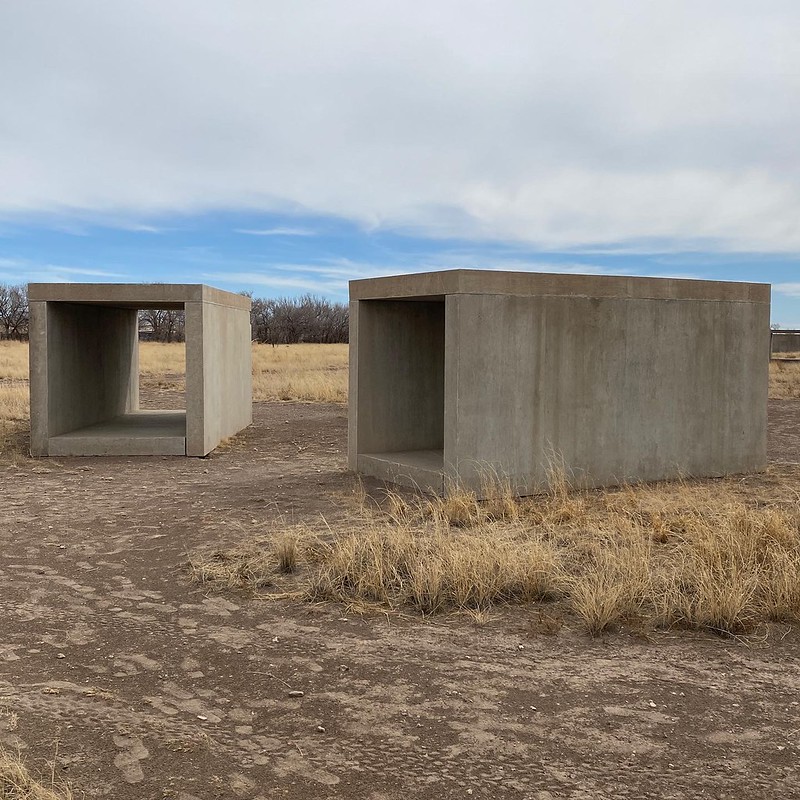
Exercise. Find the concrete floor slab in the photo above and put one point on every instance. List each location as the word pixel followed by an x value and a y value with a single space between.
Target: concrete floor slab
pixel 419 469
pixel 132 434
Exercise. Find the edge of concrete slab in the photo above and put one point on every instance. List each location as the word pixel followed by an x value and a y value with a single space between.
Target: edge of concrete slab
pixel 412 469
pixel 428 285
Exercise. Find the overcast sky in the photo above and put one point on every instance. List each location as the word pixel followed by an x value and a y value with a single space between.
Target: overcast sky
pixel 287 146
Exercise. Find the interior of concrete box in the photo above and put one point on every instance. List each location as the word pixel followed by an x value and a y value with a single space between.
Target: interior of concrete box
pixel 401 383
pixel 97 367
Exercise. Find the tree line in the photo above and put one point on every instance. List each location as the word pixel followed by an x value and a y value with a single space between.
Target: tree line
pixel 285 320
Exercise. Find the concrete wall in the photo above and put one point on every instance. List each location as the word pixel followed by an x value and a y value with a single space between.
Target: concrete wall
pixel 396 376
pixel 219 382
pixel 785 342
pixel 614 389
pixel 84 367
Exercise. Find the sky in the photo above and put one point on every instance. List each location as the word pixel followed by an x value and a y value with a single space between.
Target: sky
pixel 284 148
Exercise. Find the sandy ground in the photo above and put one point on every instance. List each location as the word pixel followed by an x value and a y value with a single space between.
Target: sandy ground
pixel 152 687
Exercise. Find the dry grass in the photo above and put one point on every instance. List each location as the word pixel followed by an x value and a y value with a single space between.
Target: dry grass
pixel 675 555
pixel 17 783
pixel 14 401
pixel 160 359
pixel 256 562
pixel 13 361
pixel 311 372
pixel 784 380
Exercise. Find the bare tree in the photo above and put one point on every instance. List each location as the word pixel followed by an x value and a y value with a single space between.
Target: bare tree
pixel 163 325
pixel 13 312
pixel 304 319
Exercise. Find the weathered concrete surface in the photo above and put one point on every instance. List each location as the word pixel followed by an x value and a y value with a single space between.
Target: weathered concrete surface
pixel 785 342
pixel 145 433
pixel 615 379
pixel 84 370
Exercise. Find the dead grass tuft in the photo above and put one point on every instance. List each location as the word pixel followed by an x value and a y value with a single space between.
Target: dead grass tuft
pixel 248 565
pixel 257 562
pixel 287 551
pixel 17 783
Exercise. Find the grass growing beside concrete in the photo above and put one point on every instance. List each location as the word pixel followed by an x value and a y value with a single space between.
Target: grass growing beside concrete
pixel 691 555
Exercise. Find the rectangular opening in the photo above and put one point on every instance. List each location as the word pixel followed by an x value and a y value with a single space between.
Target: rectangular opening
pixel 401 389
pixel 162 360
pixel 104 398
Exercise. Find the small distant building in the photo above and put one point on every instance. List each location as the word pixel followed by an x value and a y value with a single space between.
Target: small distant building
pixel 84 370
pixel 464 374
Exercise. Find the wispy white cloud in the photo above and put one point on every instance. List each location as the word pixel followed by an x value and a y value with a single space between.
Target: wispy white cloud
pixel 27 271
pixel 331 277
pixel 277 283
pixel 276 232
pixel 788 289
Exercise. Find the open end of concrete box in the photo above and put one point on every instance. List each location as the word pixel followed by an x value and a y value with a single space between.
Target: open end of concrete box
pixel 401 391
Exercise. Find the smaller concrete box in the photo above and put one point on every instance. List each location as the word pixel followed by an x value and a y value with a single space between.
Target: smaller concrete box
pixel 462 375
pixel 84 370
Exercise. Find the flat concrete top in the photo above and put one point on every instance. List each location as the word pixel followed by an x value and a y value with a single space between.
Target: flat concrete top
pixel 136 295
pixel 432 285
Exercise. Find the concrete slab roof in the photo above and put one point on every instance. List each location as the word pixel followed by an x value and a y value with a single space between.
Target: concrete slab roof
pixel 136 295
pixel 431 285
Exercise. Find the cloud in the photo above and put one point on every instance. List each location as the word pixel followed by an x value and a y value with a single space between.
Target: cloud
pixel 267 280
pixel 331 276
pixel 571 125
pixel 789 289
pixel 277 232
pixel 26 271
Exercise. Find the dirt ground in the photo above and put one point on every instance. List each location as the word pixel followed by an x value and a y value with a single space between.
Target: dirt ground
pixel 149 686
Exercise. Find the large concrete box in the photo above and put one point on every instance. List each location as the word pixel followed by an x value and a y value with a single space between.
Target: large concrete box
pixel 464 374
pixel 84 370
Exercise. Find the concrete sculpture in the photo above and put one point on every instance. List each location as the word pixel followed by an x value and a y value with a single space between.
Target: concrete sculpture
pixel 457 374
pixel 84 370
